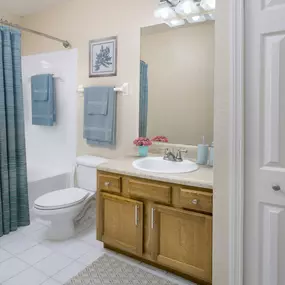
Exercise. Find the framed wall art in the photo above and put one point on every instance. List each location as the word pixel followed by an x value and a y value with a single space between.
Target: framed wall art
pixel 103 57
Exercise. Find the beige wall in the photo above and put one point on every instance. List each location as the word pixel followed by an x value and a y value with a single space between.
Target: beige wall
pixel 9 17
pixel 221 136
pixel 181 82
pixel 82 20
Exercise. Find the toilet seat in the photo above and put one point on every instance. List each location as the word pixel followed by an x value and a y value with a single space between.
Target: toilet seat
pixel 61 199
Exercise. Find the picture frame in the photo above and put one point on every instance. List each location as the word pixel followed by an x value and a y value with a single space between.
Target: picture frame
pixel 103 57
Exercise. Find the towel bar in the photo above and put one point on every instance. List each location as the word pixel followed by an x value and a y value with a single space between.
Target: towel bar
pixel 124 89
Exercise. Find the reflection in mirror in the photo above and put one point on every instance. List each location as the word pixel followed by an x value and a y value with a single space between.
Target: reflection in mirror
pixel 177 83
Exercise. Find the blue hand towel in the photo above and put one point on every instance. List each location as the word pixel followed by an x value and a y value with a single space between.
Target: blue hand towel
pixel 100 108
pixel 43 100
pixel 40 87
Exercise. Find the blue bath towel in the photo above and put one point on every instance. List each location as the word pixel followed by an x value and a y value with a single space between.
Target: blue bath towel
pixel 100 109
pixel 43 100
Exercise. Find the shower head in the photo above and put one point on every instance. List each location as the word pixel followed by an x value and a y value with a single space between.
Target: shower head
pixel 66 44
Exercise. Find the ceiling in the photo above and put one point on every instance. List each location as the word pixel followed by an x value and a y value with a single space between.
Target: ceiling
pixel 26 7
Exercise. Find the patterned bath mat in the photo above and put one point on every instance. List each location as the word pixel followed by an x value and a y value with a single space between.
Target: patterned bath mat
pixel 110 270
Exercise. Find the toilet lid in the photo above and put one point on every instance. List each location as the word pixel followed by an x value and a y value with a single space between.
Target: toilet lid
pixel 61 199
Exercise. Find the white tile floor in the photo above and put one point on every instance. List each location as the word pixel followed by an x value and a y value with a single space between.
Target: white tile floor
pixel 26 257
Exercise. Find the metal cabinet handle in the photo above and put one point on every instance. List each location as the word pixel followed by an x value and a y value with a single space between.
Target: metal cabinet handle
pixel 152 218
pixel 276 187
pixel 136 215
pixel 107 184
pixel 195 201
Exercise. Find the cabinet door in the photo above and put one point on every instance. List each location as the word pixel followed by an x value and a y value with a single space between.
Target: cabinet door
pixel 182 240
pixel 122 223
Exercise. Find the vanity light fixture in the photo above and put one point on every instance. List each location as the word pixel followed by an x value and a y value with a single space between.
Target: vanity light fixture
pixel 176 22
pixel 210 16
pixel 187 7
pixel 208 5
pixel 196 19
pixel 174 12
pixel 165 11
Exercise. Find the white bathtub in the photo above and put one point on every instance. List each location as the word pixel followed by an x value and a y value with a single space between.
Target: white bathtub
pixel 43 180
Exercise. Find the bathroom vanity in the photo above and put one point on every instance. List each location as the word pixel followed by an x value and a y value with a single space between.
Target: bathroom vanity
pixel 164 219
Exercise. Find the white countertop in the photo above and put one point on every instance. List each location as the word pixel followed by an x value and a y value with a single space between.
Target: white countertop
pixel 203 177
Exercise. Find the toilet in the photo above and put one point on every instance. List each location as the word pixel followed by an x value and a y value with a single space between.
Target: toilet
pixel 61 208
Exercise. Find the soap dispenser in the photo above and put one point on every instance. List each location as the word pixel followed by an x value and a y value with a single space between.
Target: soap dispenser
pixel 203 151
pixel 211 155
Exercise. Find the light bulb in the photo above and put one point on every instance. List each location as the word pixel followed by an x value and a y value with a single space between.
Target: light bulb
pixel 165 12
pixel 196 19
pixel 187 7
pixel 208 5
pixel 176 22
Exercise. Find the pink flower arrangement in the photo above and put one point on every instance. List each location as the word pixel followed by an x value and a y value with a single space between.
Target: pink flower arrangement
pixel 142 142
pixel 160 139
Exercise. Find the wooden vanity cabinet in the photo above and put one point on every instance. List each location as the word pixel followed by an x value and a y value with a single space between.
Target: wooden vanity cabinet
pixel 122 223
pixel 163 223
pixel 182 240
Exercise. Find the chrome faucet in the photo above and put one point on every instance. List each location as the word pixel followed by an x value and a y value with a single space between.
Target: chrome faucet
pixel 179 154
pixel 169 155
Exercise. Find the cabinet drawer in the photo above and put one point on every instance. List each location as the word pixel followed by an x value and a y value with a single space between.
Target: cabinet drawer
pixel 196 200
pixel 111 183
pixel 150 191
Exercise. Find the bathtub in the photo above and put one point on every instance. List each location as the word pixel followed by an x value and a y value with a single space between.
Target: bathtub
pixel 44 180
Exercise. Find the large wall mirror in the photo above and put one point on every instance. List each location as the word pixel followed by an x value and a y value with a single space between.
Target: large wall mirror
pixel 177 82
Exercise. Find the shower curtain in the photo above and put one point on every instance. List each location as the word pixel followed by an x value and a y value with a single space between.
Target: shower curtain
pixel 14 206
pixel 143 99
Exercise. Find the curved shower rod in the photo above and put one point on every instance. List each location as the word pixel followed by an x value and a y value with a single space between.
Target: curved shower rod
pixel 66 44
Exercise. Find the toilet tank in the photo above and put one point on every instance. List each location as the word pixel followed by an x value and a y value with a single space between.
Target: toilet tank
pixel 86 171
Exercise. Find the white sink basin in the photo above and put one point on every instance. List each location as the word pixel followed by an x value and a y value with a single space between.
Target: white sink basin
pixel 159 165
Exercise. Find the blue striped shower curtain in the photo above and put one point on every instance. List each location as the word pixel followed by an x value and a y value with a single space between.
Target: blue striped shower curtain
pixel 14 206
pixel 143 99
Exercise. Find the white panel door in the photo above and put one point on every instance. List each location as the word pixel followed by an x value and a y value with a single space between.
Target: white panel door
pixel 264 252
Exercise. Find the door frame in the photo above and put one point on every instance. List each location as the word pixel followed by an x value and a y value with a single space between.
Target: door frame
pixel 237 134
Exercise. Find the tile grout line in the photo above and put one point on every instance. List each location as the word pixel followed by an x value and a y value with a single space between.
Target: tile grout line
pixel 56 271
pixel 40 242
pixel 15 256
